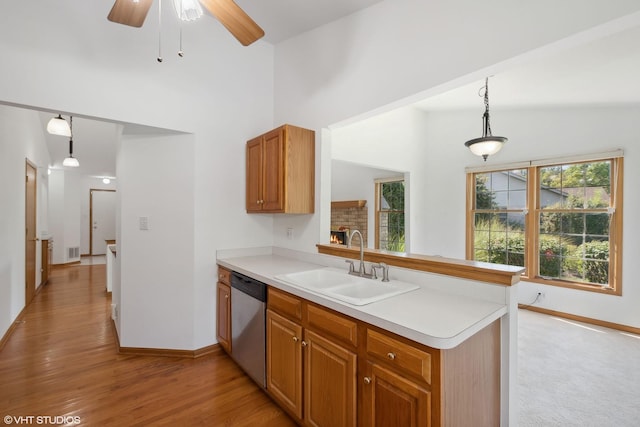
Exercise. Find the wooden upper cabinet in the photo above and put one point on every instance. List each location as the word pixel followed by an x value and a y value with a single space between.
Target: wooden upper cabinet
pixel 281 171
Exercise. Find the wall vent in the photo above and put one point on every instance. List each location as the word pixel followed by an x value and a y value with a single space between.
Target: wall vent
pixel 73 253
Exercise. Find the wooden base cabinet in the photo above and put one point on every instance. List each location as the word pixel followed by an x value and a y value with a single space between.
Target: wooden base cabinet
pixel 391 400
pixel 310 375
pixel 223 307
pixel 327 369
pixel 284 362
pixel 329 382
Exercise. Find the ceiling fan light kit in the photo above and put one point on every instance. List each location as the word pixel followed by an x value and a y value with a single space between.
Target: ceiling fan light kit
pixel 487 144
pixel 188 10
pixel 230 15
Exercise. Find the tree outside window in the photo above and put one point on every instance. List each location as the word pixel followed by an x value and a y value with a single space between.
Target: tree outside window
pixel 390 228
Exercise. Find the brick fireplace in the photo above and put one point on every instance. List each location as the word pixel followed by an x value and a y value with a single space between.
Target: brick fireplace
pixel 347 216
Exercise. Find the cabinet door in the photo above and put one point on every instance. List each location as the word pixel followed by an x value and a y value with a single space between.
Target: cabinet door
pixel 391 400
pixel 254 175
pixel 284 362
pixel 273 173
pixel 223 327
pixel 329 383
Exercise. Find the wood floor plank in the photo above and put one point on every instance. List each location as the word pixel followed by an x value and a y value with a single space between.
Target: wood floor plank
pixel 61 360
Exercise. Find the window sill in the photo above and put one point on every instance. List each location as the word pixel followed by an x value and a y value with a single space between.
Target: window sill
pixel 574 285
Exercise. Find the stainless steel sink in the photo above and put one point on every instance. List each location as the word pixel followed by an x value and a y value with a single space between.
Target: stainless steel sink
pixel 338 284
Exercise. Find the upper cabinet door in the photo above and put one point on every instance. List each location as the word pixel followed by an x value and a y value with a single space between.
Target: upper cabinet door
pixel 254 175
pixel 274 171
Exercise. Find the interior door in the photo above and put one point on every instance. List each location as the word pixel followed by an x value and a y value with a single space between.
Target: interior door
pixel 102 215
pixel 30 233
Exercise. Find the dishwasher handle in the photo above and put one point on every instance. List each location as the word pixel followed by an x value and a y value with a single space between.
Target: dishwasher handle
pixel 249 286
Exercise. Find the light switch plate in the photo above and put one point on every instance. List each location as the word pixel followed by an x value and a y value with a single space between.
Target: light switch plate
pixel 143 222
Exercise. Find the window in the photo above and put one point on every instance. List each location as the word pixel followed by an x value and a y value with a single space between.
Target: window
pixel 561 221
pixel 390 215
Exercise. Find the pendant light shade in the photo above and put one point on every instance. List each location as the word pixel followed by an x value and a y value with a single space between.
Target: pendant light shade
pixel 487 144
pixel 71 161
pixel 58 126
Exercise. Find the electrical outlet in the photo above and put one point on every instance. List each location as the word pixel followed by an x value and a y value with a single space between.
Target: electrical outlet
pixel 290 233
pixel 114 311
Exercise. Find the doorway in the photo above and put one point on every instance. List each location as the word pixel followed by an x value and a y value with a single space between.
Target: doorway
pixel 30 232
pixel 102 220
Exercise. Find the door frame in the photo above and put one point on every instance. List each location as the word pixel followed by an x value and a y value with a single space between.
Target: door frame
pixel 91 190
pixel 31 238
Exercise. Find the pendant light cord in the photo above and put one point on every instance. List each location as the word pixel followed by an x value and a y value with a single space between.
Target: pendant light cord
pixel 487 124
pixel 71 136
pixel 180 51
pixel 159 31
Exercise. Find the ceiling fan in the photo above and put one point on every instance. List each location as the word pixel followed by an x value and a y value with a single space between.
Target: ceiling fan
pixel 235 20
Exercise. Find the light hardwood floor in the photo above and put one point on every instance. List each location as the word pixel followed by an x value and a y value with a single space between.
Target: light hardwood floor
pixel 61 360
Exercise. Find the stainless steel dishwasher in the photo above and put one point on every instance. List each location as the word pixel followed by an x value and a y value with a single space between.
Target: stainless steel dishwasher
pixel 248 309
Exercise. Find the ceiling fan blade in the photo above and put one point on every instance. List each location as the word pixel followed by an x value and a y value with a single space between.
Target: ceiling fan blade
pixel 235 20
pixel 130 12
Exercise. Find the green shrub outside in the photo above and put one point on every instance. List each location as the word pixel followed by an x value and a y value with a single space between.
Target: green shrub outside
pixel 505 245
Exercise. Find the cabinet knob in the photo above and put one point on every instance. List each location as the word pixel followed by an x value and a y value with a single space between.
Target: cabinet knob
pixel 367 380
pixel 295 339
pixel 303 343
pixel 226 295
pixel 391 356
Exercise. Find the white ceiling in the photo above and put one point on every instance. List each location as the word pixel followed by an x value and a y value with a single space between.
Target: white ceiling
pixel 602 72
pixel 283 19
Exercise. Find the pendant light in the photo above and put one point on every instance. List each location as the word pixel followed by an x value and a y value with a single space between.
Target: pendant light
pixel 58 126
pixel 71 161
pixel 488 144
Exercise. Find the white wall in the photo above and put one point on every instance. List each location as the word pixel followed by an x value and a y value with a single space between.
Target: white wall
pixel 64 214
pixel 399 48
pixel 156 289
pixel 21 139
pixel 220 92
pixel 399 51
pixel 224 94
pixel 395 140
pixel 538 134
pixel 351 181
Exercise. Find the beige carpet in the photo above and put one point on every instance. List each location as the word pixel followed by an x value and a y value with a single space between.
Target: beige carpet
pixel 576 374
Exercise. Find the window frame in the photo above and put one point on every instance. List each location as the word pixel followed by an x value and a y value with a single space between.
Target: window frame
pixel 379 210
pixel 532 220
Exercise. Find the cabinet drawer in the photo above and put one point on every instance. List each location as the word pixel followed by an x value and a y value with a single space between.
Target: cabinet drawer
pixel 339 326
pixel 285 304
pixel 399 354
pixel 224 275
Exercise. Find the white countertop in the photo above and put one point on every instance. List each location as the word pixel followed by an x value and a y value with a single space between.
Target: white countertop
pixel 435 318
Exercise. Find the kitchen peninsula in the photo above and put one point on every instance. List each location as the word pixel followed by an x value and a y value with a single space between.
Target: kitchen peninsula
pixel 443 354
